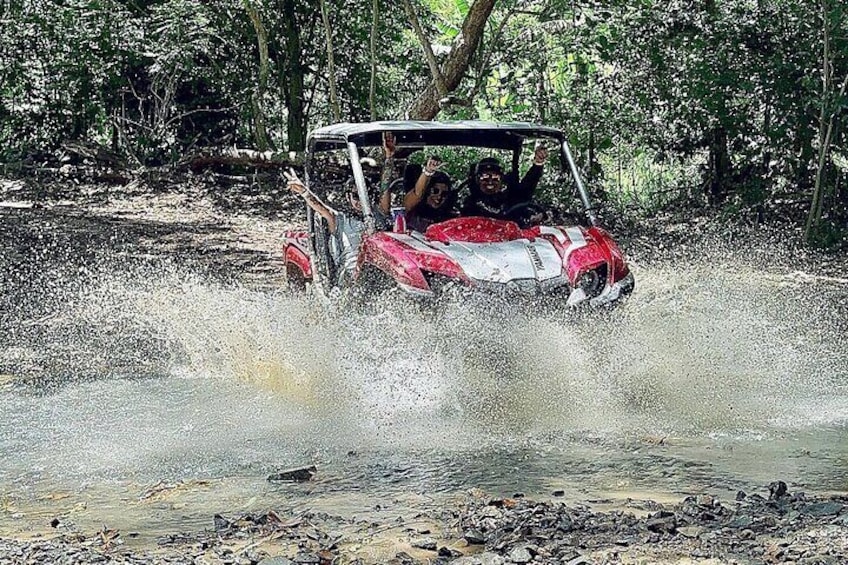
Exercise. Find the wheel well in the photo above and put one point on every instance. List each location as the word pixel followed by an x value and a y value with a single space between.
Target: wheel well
pixel 295 278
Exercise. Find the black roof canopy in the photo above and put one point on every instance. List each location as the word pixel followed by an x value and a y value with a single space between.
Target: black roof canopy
pixel 494 135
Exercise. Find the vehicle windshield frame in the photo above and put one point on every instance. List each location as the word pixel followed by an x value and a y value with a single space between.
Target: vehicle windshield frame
pixel 415 135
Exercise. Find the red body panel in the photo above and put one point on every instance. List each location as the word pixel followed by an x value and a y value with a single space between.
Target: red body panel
pixel 474 230
pixel 410 259
pixel 296 251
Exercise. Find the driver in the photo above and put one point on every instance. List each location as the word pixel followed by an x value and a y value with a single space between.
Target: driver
pixel 496 195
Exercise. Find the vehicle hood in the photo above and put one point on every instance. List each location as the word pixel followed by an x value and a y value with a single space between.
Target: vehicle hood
pixel 501 262
pixel 482 251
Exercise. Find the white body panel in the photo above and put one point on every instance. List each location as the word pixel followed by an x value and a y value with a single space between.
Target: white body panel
pixel 504 261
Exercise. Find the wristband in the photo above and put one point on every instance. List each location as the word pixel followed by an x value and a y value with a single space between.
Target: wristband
pixel 428 173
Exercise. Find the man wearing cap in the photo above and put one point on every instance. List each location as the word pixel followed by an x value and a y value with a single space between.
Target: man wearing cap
pixel 494 194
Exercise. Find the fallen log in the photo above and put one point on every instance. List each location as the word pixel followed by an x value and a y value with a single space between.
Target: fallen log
pixel 232 156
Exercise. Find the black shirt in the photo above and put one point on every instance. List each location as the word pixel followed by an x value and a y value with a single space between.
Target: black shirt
pixel 497 205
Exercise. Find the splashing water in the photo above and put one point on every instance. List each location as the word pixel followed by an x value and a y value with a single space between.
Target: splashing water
pixel 132 374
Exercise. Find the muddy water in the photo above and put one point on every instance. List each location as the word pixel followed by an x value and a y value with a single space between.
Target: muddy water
pixel 155 374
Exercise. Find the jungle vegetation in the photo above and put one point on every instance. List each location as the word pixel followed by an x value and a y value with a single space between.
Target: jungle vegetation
pixel 737 106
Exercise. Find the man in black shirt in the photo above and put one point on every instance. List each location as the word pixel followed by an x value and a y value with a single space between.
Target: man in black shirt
pixel 494 194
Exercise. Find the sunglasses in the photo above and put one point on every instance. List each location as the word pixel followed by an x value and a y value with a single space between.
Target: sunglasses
pixel 489 176
pixel 438 190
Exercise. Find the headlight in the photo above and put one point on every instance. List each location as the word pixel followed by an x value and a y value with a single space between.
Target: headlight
pixel 593 281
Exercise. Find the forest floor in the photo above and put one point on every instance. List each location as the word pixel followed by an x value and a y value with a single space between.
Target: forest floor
pixel 233 230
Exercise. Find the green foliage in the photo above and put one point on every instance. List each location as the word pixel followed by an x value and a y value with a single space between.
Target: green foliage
pixel 660 99
pixel 637 184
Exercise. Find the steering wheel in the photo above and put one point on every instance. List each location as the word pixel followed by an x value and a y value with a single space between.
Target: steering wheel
pixel 527 214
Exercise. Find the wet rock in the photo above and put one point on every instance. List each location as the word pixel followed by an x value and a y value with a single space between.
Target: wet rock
pixel 220 523
pixel 662 522
pixel 742 521
pixel 492 512
pixel 403 558
pixel 823 509
pixel 777 490
pixel 740 495
pixel 425 543
pixel 706 500
pixel 520 555
pixel 558 493
pixel 747 534
pixel 485 558
pixel 691 531
pixel 474 537
pixel 299 474
pixel 448 552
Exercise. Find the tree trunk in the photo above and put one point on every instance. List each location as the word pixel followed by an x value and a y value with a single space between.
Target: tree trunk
pixel 816 208
pixel 293 88
pixel 260 133
pixel 719 166
pixel 372 88
pixel 426 106
pixel 826 117
pixel 438 79
pixel 331 67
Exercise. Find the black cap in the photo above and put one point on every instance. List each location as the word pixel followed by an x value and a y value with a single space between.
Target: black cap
pixel 488 165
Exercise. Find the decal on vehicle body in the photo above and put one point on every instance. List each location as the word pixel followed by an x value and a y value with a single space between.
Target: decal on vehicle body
pixel 412 241
pixel 557 233
pixel 577 241
pixel 537 262
pixel 502 262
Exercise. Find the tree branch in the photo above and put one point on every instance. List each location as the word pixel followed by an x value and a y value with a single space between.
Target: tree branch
pixel 428 49
pixel 331 67
pixel 426 105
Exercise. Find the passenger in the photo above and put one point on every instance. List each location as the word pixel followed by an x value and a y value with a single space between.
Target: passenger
pixel 345 229
pixel 387 176
pixel 496 195
pixel 432 199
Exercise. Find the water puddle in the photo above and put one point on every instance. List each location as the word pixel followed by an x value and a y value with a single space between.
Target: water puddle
pixel 150 397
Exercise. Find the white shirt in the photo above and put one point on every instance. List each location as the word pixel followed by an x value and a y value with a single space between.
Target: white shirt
pixel 344 243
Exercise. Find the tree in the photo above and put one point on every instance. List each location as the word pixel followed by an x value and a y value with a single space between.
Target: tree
pixel 832 102
pixel 426 106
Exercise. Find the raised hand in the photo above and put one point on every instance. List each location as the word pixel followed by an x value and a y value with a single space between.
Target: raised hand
pixel 294 183
pixel 432 165
pixel 389 144
pixel 540 155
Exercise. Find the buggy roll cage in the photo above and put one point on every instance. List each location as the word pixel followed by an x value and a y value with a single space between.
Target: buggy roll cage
pixel 420 134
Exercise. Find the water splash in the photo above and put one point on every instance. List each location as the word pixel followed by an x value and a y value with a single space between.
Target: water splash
pixel 152 366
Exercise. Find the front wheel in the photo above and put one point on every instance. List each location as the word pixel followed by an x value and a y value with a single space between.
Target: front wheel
pixel 295 279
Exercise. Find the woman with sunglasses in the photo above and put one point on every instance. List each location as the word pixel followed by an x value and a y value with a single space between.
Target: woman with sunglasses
pixel 432 199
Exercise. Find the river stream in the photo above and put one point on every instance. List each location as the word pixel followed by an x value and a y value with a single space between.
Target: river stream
pixel 143 390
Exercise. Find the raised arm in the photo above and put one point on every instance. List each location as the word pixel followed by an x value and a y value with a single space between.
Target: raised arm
pixel 387 175
pixel 534 174
pixel 296 186
pixel 416 195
